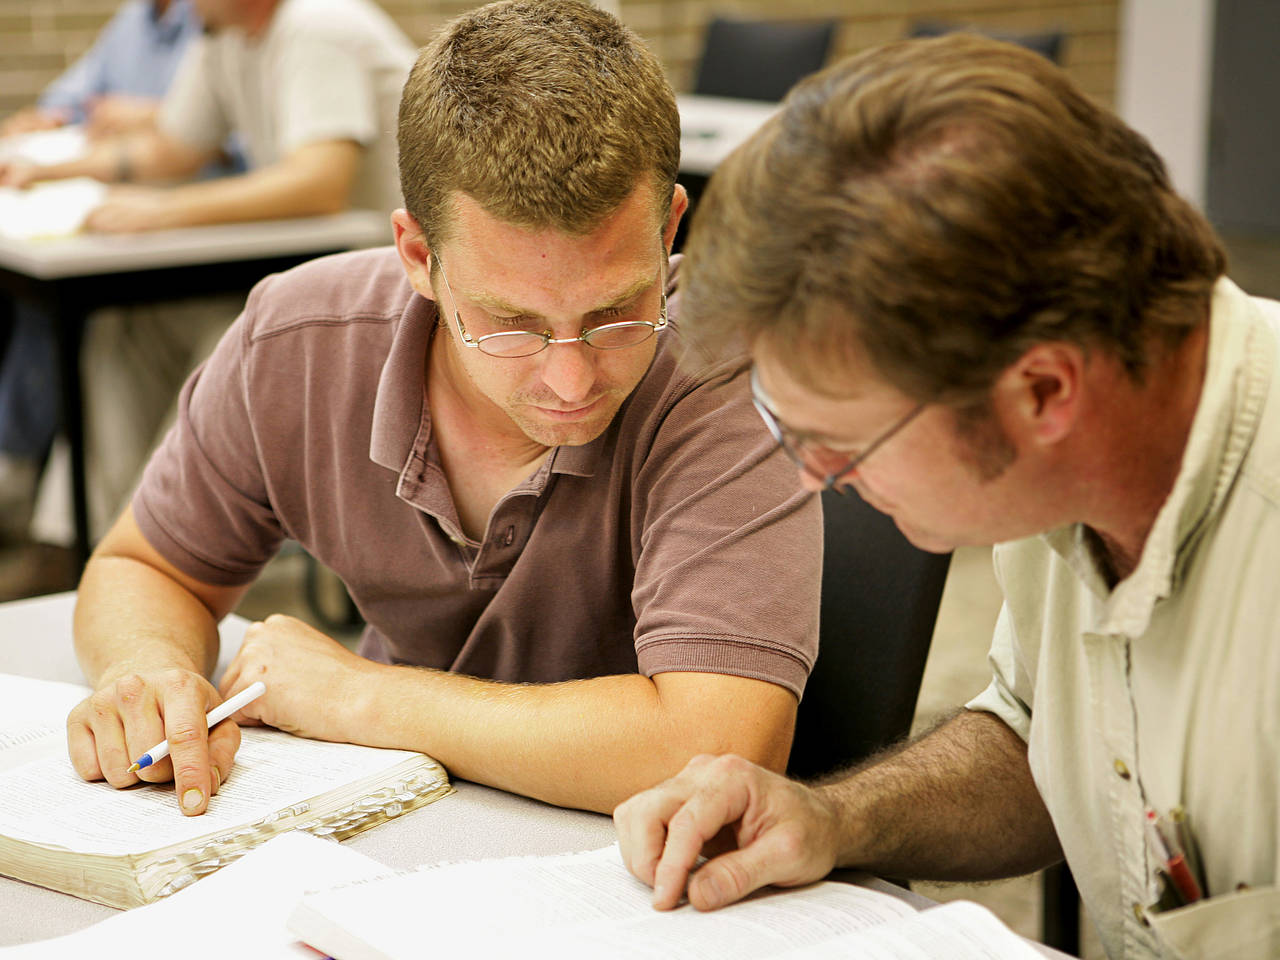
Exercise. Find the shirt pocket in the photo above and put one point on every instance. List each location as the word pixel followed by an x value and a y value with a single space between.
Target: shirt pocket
pixel 1244 925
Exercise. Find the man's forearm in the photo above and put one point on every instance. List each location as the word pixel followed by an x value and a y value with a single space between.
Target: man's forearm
pixel 957 804
pixel 130 617
pixel 585 743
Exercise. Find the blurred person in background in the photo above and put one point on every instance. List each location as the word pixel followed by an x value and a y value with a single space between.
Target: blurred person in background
pixel 320 141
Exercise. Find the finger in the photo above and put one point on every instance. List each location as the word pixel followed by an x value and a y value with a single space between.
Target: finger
pixel 224 742
pixel 81 746
pixel 136 706
pixel 108 734
pixel 731 876
pixel 641 825
pixel 185 703
pixel 693 825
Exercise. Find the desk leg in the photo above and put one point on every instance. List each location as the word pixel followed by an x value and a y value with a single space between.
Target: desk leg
pixel 70 325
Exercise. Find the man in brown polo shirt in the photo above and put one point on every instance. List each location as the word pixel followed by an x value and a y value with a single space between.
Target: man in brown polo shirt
pixel 580 562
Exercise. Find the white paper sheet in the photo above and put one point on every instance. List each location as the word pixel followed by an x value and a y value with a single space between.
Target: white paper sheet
pixel 238 912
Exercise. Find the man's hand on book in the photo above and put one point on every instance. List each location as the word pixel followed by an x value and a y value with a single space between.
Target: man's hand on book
pixel 312 680
pixel 775 831
pixel 132 712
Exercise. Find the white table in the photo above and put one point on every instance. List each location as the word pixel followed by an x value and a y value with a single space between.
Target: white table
pixel 475 822
pixel 71 277
pixel 712 127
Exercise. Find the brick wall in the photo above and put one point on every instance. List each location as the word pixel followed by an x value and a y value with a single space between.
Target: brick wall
pixel 38 38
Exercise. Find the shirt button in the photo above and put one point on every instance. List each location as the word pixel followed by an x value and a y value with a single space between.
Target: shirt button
pixel 1140 914
pixel 1121 769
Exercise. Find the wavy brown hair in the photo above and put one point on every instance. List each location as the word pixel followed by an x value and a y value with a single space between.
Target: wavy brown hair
pixel 939 206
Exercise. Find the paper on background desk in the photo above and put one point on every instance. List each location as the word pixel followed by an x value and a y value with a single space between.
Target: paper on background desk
pixel 238 911
pixel 49 210
pixel 45 146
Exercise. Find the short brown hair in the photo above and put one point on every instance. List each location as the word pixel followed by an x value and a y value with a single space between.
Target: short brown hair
pixel 938 206
pixel 546 112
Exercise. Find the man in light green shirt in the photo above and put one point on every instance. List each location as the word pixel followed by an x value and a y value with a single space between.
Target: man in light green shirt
pixel 973 296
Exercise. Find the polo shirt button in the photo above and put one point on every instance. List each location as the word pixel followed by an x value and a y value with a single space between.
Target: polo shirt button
pixel 1121 769
pixel 1141 914
pixel 509 537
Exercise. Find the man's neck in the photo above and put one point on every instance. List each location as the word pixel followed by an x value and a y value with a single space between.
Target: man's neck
pixel 1142 435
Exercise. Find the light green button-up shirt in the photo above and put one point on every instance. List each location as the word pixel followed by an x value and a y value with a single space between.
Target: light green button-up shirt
pixel 1166 690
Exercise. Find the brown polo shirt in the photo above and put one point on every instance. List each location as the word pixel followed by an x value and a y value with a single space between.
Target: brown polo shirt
pixel 677 540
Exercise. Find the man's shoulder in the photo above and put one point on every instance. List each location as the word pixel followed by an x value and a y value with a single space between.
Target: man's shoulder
pixel 365 287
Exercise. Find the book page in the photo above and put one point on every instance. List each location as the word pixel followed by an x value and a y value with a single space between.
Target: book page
pixel 46 147
pixel 43 800
pixel 581 905
pixel 957 931
pixel 254 895
pixel 33 717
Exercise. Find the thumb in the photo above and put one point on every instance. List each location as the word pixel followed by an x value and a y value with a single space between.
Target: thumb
pixel 730 877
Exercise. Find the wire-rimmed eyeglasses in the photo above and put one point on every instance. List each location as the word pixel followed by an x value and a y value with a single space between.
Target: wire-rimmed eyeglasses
pixel 823 464
pixel 514 344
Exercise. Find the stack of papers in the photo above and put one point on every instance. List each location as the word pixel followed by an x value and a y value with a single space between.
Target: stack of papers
pixel 49 210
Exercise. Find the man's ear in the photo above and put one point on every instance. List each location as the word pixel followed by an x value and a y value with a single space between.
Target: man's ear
pixel 679 205
pixel 1042 392
pixel 415 255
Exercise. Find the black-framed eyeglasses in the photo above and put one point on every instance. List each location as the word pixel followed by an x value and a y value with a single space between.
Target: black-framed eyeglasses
pixel 514 344
pixel 825 465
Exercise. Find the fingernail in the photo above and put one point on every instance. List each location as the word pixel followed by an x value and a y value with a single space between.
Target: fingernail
pixel 217 780
pixel 192 799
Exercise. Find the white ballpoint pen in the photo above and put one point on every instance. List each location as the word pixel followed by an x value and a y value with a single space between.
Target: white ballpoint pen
pixel 216 715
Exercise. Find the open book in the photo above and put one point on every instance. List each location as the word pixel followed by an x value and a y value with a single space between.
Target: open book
pixel 129 847
pixel 587 906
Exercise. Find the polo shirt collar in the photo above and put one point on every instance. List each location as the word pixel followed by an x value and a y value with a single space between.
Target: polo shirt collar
pixel 1238 373
pixel 400 405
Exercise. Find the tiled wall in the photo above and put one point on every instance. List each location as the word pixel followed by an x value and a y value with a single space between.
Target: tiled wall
pixel 38 38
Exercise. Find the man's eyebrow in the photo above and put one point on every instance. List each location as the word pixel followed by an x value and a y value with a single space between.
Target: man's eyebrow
pixel 494 302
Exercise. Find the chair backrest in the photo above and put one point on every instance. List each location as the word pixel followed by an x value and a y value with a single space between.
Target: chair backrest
pixel 1048 44
pixel 760 59
pixel 880 599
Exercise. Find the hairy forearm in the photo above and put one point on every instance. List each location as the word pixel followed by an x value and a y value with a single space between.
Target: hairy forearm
pixel 588 743
pixel 956 804
pixel 131 618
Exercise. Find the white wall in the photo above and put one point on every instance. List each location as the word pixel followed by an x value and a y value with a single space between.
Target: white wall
pixel 1163 83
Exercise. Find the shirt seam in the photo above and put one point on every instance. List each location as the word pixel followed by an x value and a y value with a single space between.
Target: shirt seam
pixel 728 640
pixel 319 320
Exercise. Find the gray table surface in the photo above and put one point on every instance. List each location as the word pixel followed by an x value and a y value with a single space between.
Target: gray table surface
pixel 473 823
pixel 90 254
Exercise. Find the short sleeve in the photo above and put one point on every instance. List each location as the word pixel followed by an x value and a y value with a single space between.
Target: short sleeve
pixel 1009 694
pixel 203 502
pixel 191 112
pixel 730 567
pixel 324 93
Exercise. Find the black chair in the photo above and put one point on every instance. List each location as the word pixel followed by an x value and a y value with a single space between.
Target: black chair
pixel 1048 44
pixel 760 59
pixel 880 599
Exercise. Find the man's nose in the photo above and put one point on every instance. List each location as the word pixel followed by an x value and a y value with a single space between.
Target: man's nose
pixel 570 370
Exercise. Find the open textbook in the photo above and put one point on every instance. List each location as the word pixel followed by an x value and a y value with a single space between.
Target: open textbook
pixel 129 847
pixel 588 906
